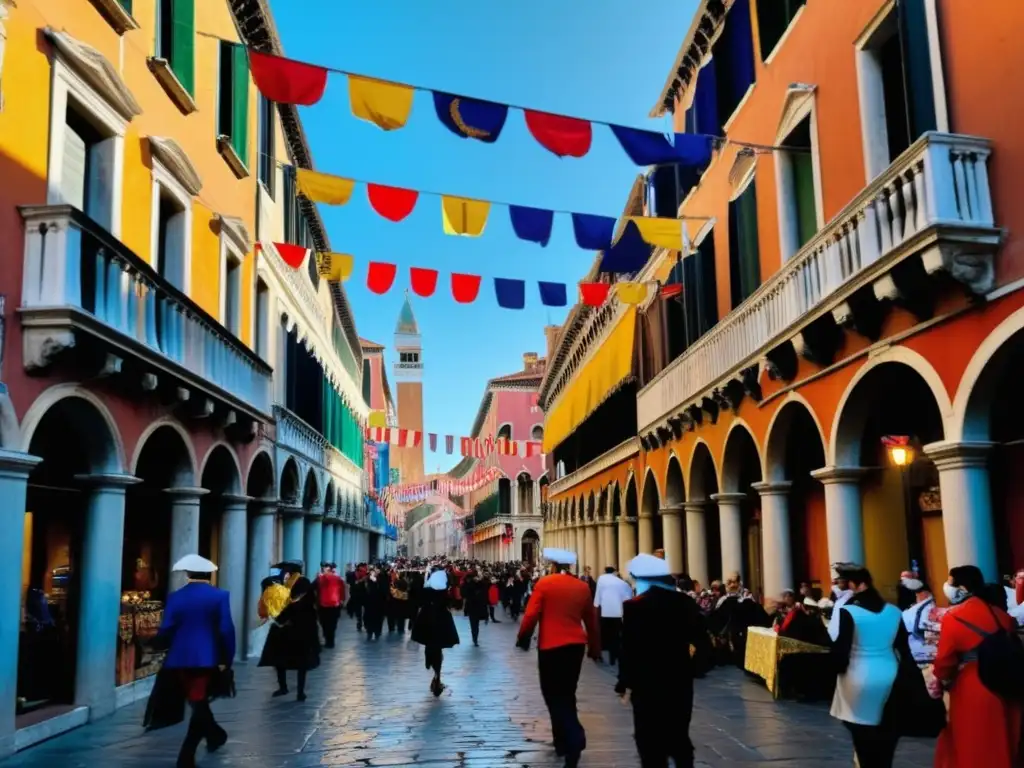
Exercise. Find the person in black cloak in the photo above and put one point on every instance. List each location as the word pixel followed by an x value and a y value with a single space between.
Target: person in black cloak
pixel 434 627
pixel 294 638
pixel 378 592
pixel 474 593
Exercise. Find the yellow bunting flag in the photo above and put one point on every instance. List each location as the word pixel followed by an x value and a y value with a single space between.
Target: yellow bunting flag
pixel 334 267
pixel 631 293
pixel 378 419
pixel 462 216
pixel 386 105
pixel 661 233
pixel 323 188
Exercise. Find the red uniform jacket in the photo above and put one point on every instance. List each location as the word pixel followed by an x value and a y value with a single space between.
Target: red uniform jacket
pixel 564 608
pixel 330 589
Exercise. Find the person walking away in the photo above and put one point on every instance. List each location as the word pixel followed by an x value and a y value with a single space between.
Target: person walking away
pixel 474 594
pixel 398 604
pixel 200 637
pixel 657 625
pixel 358 594
pixel 519 584
pixel 588 578
pixel 563 608
pixel 378 590
pixel 610 594
pixel 493 598
pixel 350 582
pixel 868 651
pixel 985 710
pixel 434 627
pixel 330 592
pixel 294 641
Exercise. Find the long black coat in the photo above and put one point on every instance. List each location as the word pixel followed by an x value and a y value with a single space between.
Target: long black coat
pixel 294 638
pixel 474 591
pixel 434 626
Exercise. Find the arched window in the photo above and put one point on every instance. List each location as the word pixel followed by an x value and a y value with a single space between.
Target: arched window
pixel 505 432
pixel 524 495
pixel 537 433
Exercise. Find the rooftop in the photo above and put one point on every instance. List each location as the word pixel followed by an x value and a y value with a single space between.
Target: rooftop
pixel 406 319
pixel 368 345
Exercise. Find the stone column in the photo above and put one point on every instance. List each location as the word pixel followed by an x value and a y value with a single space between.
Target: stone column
pixel 15 468
pixel 579 545
pixel 696 542
pixel 731 522
pixel 843 518
pixel 776 549
pixel 313 544
pixel 966 505
pixel 261 553
pixel 590 535
pixel 231 565
pixel 292 546
pixel 627 546
pixel 672 534
pixel 184 527
pixel 646 533
pixel 100 583
pixel 603 534
pixel 327 540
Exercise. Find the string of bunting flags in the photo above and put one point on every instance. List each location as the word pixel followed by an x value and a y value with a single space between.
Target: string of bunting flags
pixel 388 105
pixel 475 447
pixel 412 493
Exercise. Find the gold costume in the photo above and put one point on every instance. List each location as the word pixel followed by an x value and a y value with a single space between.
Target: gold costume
pixel 275 599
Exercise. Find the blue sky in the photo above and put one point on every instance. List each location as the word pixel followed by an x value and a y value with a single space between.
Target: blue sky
pixel 599 59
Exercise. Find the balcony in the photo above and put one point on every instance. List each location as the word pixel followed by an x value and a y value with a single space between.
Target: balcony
pixel 606 460
pixel 297 436
pixel 929 213
pixel 86 298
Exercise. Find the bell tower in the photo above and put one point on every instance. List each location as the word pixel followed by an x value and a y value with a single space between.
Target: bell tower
pixel 408 376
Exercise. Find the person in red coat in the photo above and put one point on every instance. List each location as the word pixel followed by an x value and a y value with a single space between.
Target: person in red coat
pixel 493 598
pixel 330 593
pixel 983 728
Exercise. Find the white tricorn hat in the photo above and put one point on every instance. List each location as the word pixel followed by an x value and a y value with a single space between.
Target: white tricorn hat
pixel 559 556
pixel 438 580
pixel 195 564
pixel 648 567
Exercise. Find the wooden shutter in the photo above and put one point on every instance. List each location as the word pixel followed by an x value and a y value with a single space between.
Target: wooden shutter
pixel 917 67
pixel 802 165
pixel 240 103
pixel 744 252
pixel 99 198
pixel 127 5
pixel 72 180
pixel 183 43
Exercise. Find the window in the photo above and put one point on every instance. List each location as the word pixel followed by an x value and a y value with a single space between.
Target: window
pixel 408 357
pixel 172 237
pixel 897 80
pixel 801 181
pixel 267 163
pixel 232 293
pixel 262 320
pixel 798 171
pixel 773 19
pixel 127 5
pixel 175 39
pixel 505 432
pixel 537 433
pixel 744 252
pixel 700 296
pixel 367 381
pixel 87 179
pixel 733 54
pixel 233 99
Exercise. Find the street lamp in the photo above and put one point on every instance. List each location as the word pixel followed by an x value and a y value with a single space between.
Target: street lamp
pixel 902 454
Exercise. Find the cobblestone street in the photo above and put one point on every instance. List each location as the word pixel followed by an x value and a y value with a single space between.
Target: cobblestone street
pixel 369 706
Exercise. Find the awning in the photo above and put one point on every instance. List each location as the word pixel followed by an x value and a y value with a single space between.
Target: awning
pixel 599 378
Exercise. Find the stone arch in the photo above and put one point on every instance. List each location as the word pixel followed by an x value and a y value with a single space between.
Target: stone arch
pixel 854 405
pixel 971 411
pixel 738 444
pixel 616 501
pixel 329 498
pixel 259 482
pixel 651 500
pixel 631 502
pixel 290 485
pixel 675 489
pixel 505 431
pixel 100 431
pixel 220 471
pixel 792 411
pixel 591 508
pixel 703 479
pixel 173 425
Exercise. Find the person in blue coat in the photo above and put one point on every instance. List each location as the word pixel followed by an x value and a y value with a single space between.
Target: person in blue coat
pixel 199 636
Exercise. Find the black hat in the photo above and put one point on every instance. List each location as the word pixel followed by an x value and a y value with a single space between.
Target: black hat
pixel 288 566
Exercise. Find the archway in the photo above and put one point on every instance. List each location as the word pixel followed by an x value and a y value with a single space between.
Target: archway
pixel 74 437
pixel 223 484
pixel 312 547
pixel 739 510
pixel 702 518
pixel 263 544
pixel 794 448
pixel 649 525
pixel 504 496
pixel 673 517
pixel 530 547
pixel 628 535
pixel 524 494
pixel 165 463
pixel 901 524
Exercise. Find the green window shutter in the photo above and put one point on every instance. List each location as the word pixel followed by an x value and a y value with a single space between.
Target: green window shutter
pixel 917 67
pixel 240 103
pixel 183 43
pixel 744 253
pixel 802 165
pixel 127 5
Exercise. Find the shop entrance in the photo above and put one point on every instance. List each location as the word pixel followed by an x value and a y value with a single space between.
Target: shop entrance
pixel 530 547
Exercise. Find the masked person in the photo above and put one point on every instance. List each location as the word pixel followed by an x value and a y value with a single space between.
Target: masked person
pixel 563 608
pixel 434 627
pixel 293 642
pixel 200 637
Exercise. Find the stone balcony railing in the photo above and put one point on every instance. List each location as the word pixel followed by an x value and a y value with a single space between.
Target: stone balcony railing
pixel 609 458
pixel 932 203
pixel 82 288
pixel 299 437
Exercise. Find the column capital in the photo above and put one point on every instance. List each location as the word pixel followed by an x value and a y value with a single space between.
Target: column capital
pixel 623 520
pixel 265 506
pixel 186 494
pixel 290 510
pixel 728 498
pixel 16 464
pixel 109 482
pixel 778 488
pixel 697 505
pixel 235 499
pixel 646 515
pixel 314 517
pixel 832 475
pixel 671 510
pixel 947 454
pixel 607 523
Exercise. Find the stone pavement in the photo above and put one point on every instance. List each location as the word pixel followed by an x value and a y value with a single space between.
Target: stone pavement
pixel 369 706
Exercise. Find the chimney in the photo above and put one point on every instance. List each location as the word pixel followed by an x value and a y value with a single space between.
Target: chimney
pixel 529 361
pixel 551 334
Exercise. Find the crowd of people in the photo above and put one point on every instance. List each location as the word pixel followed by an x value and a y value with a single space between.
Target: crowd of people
pixel 890 670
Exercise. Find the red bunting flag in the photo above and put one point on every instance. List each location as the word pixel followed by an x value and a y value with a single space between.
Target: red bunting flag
pixel 466 446
pixel 465 288
pixel 393 203
pixel 292 255
pixel 672 289
pixel 287 81
pixel 423 281
pixel 560 135
pixel 381 276
pixel 594 294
